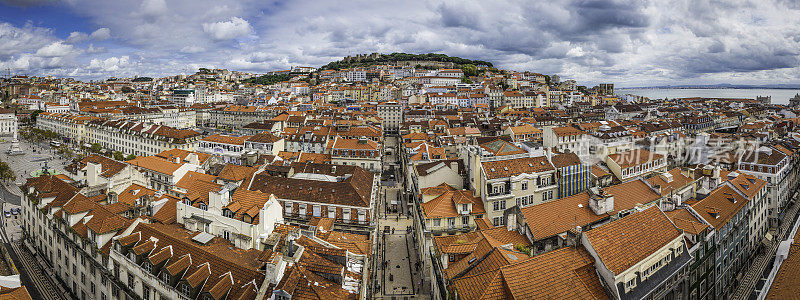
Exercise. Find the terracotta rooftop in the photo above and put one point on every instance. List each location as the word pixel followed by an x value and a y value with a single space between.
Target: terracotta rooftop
pixel 566 273
pixel 516 166
pixel 445 205
pixel 634 157
pixel 786 284
pixel 203 262
pixel 155 163
pixel 720 206
pixel 649 230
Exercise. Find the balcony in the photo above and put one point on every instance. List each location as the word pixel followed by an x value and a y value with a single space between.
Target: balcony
pixel 498 196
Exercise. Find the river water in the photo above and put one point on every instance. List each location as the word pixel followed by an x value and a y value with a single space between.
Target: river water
pixel 779 96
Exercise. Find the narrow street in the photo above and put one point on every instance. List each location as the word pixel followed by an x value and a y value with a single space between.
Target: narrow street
pixel 758 269
pixel 39 284
pixel 399 273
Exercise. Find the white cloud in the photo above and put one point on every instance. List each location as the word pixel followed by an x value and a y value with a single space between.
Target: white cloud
pixel 192 49
pixel 628 42
pixel 93 50
pixel 101 34
pixel 18 40
pixel 111 64
pixel 55 49
pixel 575 52
pixel 226 30
pixel 77 37
pixel 153 8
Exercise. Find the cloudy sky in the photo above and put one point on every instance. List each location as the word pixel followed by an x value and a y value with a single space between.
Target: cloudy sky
pixel 631 43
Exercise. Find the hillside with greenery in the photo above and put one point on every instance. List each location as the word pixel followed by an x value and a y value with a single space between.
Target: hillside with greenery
pixel 268 79
pixel 395 57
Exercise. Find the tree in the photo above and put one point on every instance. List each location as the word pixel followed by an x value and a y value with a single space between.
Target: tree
pixel 470 70
pixel 95 148
pixel 127 90
pixel 35 114
pixel 119 156
pixel 547 79
pixel 130 157
pixel 65 151
pixel 142 79
pixel 6 173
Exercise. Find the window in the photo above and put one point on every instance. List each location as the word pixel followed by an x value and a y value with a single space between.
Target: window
pixel 437 222
pixel 499 205
pixel 186 290
pixel 164 277
pixel 148 267
pixel 498 221
pixel 631 283
pixel 226 235
pixel 524 185
pixel 145 293
pixel 465 220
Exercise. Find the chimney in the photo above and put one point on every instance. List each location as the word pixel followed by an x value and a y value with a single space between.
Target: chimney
pixel 511 223
pixel 454 166
pixel 600 201
pixel 93 171
pixel 193 159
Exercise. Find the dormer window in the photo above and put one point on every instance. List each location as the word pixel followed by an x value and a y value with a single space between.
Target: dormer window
pixel 203 206
pixel 186 290
pixel 165 277
pixel 148 267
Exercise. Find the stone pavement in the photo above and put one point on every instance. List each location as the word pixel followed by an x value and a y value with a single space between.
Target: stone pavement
pixel 31 161
pixel 398 250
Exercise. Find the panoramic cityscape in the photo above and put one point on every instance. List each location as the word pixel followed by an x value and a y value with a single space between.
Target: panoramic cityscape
pixel 170 149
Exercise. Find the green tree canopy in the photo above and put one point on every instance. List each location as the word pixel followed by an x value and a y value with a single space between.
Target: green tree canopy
pixel 96 148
